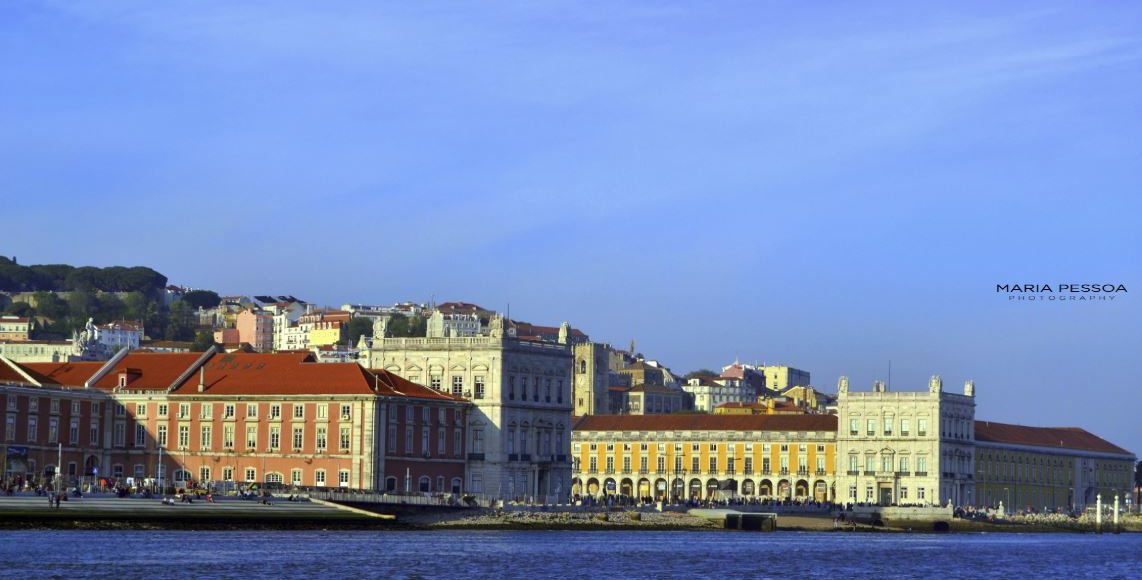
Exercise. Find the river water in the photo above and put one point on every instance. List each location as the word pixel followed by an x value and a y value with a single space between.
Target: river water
pixel 566 554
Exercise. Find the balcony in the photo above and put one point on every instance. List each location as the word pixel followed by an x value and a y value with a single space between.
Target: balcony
pixel 608 472
pixel 902 474
pixel 525 457
pixel 802 472
pixel 820 472
pixel 748 472
pixel 869 472
pixel 475 457
pixel 784 472
pixel 644 472
pixel 731 472
pixel 921 474
pixel 513 457
pixel 852 472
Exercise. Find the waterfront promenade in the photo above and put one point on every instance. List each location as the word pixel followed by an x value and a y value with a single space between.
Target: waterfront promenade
pixel 108 511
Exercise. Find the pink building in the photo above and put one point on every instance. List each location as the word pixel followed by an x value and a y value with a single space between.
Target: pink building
pixel 256 329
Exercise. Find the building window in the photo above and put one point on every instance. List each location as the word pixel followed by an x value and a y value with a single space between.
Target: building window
pixel 535 389
pixel 184 410
pixel 343 478
pixel 922 428
pixel 203 474
pixel 298 437
pixel 295 476
pixel 547 390
pixel 207 411
pixel 408 437
pixel 251 475
pixel 457 442
pixel 228 436
pixel 559 391
pixel 440 438
pixel 227 474
pixel 228 411
pixel 435 382
pixel 921 465
pixel 870 463
pixel 73 432
pixel 319 478
pixel 391 445
pixel 479 387
pixel 120 435
pixel 888 426
pixel 871 430
pixel 904 465
pixel 511 388
pixel 298 413
pixel 904 493
pixel 251 411
pixel 183 436
pixel 696 464
pixel 853 429
pixel 322 411
pixel 205 437
pixel 162 438
pixel 162 410
pixel 275 411
pixel 905 427
pixel 275 437
pixel 457 385
pixel 920 493
pixel 346 412
pixel 251 437
pixel 345 438
pixel 477 441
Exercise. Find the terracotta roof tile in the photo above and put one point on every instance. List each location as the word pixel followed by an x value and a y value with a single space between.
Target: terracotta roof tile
pixel 707 423
pixel 1056 437
pixel 68 374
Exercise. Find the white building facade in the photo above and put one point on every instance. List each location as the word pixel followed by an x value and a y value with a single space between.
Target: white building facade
pixel 906 448
pixel 519 434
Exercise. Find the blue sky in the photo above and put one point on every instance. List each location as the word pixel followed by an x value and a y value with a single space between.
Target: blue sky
pixel 829 186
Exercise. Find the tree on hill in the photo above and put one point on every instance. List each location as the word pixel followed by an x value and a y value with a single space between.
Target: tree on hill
pixel 203 340
pixel 401 326
pixel 700 374
pixel 63 278
pixel 358 326
pixel 202 299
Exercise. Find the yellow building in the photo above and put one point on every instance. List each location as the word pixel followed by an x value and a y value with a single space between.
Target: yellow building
pixel 1048 467
pixel 767 407
pixel 326 334
pixel 705 456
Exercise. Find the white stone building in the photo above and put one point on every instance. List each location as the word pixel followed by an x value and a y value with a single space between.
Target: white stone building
pixel 905 448
pixel 519 436
pixel 708 393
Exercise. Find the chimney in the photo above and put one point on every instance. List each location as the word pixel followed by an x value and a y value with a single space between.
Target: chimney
pixel 202 378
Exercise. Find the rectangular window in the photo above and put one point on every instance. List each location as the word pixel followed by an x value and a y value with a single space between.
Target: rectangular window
pixel 457 441
pixel 227 474
pixel 10 428
pixel 905 427
pixel 888 426
pixel 854 464
pixel 870 463
pixel 55 406
pixel 184 410
pixel 886 463
pixel 275 411
pixel 298 437
pixel 228 411
pixel 408 438
pixel 295 477
pixel 391 445
pixel 298 411
pixel 251 411
pixel 435 382
pixel 53 430
pixel 343 478
pixel 696 464
pixel 713 465
pixel 766 466
pixel 904 493
pixel 206 437
pixel 457 385
pixel 424 439
pixel 162 438
pixel 440 441
pixel 13 402
pixel 322 411
pixel 228 436
pixel 853 427
pixel 426 415
pixel 346 412
pixel 120 435
pixel 511 388
pixel 920 493
pixel 251 437
pixel 319 478
pixel 321 439
pixel 183 436
pixel 207 411
pixel 162 409
pixel 820 465
pixel 921 465
pixel 34 404
pixel 922 427
pixel 904 465
pixel 140 435
pixel 559 391
pixel 75 407
pixel 275 437
pixel 345 438
pixel 73 432
pixel 547 390
pixel 251 475
pixel 479 386
pixel 871 427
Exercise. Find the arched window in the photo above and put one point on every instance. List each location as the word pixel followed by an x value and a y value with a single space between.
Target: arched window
pixel 390 484
pixel 274 478
pixel 425 483
pixel 457 484
pixel 582 366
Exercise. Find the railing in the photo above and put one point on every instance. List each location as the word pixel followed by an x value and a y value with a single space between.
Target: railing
pixel 868 472
pixel 475 457
pixel 921 474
